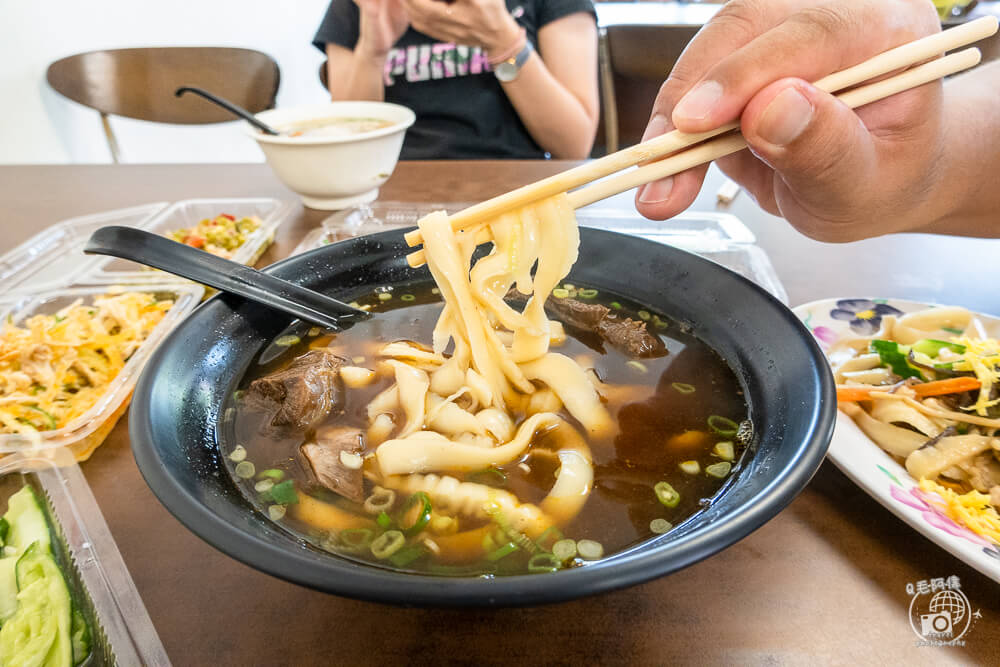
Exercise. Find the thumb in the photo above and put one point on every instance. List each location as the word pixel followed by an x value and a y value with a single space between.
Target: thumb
pixel 823 156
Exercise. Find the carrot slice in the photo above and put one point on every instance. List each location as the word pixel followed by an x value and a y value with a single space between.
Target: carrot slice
pixel 949 386
pixel 852 394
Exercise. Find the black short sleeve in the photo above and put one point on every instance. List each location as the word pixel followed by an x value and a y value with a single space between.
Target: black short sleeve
pixel 551 10
pixel 340 25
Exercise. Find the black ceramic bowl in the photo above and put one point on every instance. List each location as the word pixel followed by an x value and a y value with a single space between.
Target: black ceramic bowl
pixel 176 424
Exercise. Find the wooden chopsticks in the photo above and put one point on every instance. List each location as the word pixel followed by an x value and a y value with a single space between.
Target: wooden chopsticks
pixel 716 146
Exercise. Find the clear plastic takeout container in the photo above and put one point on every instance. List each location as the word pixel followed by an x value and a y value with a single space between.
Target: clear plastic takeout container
pixel 121 630
pixel 54 257
pixel 720 237
pixel 87 431
pixel 188 213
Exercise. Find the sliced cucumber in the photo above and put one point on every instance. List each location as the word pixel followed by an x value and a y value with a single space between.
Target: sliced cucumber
pixel 27 521
pixel 39 631
pixel 79 636
pixel 8 588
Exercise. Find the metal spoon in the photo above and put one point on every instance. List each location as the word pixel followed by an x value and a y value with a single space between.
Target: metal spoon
pixel 228 106
pixel 182 260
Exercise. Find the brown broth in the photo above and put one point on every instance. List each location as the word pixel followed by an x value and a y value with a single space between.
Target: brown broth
pixel 626 467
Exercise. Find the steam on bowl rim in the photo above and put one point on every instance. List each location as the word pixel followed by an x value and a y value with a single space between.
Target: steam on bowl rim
pixel 406 119
pixel 176 440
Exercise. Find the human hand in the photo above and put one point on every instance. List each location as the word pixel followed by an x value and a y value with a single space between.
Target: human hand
pixel 834 173
pixel 483 23
pixel 383 22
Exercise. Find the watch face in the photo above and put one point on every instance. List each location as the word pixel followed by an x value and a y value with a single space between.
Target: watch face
pixel 506 71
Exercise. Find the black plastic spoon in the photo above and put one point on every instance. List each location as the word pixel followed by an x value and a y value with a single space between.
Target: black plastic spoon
pixel 182 260
pixel 228 106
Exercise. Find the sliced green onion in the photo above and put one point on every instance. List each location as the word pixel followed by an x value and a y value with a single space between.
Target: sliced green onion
pixel 384 520
pixel 416 513
pixel 644 315
pixel 263 485
pixel 407 297
pixel 387 544
pixel 4 529
pixel 435 290
pixel 548 538
pixel 723 426
pixel 666 494
pixel 690 467
pixel 501 552
pixel 356 540
pixel 616 305
pixel 718 470
pixel 406 555
pixel 489 476
pixel 660 526
pixel 284 493
pixel 589 549
pixel 684 387
pixel 276 512
pixel 272 473
pixel 287 341
pixel 724 450
pixel 543 563
pixel 238 454
pixel 563 550
pixel 637 366
pixel 661 324
pixel 384 296
pixel 568 286
pixel 380 501
pixel 239 394
pixel 244 470
pixel 572 293
pixel 354 304
pixel 439 523
pixel 587 293
pixel 314 331
pixel 560 293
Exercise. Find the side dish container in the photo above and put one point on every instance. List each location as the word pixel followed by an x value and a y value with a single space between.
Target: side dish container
pixel 83 434
pixel 99 583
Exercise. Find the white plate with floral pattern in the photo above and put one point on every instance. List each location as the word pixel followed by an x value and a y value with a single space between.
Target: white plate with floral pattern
pixel 865 463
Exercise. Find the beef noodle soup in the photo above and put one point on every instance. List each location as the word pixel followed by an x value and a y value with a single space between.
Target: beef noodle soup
pixel 316 410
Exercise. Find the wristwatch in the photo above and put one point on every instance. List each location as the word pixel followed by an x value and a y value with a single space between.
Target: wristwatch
pixel 507 70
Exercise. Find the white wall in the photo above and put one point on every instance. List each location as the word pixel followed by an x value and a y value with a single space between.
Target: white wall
pixel 37 125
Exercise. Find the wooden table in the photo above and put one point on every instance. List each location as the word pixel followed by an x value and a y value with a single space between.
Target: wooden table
pixel 823 582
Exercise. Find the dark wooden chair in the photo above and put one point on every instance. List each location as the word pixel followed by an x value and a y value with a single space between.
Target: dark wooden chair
pixel 635 61
pixel 140 83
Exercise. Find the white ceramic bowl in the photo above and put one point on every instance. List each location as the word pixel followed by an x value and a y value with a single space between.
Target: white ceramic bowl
pixel 334 172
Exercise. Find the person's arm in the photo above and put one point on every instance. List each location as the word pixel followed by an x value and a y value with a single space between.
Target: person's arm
pixel 918 161
pixel 356 73
pixel 555 93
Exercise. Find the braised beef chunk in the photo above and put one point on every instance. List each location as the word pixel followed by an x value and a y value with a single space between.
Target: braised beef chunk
pixel 306 391
pixel 577 314
pixel 324 458
pixel 631 337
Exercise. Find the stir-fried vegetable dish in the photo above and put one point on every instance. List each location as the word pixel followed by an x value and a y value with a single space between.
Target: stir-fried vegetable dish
pixel 220 235
pixel 54 368
pixel 926 389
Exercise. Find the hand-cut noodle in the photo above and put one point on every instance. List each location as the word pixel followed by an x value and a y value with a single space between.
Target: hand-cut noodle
pixel 499 365
pixel 926 389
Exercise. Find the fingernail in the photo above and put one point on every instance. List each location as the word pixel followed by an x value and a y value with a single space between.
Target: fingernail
pixel 785 118
pixel 657 126
pixel 699 101
pixel 657 191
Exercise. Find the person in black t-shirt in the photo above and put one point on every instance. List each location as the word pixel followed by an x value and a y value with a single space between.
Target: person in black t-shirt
pixel 486 79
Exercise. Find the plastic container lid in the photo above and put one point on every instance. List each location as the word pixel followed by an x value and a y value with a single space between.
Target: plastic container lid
pixel 54 257
pixel 187 213
pixel 720 237
pixel 88 430
pixel 121 630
